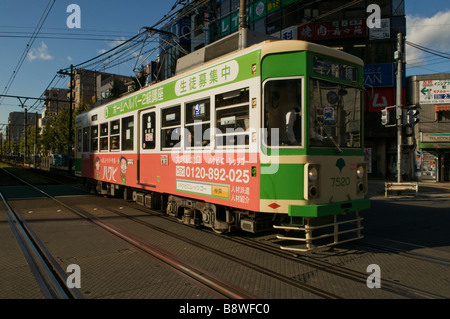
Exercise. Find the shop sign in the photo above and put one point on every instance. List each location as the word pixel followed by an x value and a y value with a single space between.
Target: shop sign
pixel 434 92
pixel 435 137
pixel 333 30
pixel 379 75
pixel 377 99
pixel 384 32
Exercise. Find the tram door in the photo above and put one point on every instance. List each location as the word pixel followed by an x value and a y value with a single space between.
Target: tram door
pixel 147 168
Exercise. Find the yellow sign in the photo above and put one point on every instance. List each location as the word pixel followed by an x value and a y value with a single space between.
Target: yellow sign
pixel 220 191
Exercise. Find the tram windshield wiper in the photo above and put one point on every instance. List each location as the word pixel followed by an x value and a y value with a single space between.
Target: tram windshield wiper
pixel 330 137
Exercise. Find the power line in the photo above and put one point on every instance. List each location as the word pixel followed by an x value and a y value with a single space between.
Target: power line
pixel 29 45
pixel 428 50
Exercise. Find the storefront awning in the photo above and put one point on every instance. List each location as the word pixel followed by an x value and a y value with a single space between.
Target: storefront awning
pixel 442 107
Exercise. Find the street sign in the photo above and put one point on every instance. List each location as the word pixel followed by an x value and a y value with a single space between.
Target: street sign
pixel 434 92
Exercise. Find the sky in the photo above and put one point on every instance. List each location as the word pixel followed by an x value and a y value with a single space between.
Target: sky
pixel 104 23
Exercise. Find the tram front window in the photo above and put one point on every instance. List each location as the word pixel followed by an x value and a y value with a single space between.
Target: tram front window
pixel 335 115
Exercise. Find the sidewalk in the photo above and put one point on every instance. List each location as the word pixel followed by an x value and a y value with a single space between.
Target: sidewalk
pixel 426 188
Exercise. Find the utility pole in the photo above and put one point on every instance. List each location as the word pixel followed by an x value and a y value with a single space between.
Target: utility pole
pixel 69 142
pixel 399 57
pixel 25 153
pixel 69 164
pixel 242 31
pixel 35 139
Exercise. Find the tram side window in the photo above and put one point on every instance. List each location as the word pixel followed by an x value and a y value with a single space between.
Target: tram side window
pixel 232 118
pixel 283 112
pixel 127 133
pixel 148 131
pixel 114 128
pixel 86 139
pixel 197 123
pixel 79 140
pixel 94 138
pixel 104 137
pixel 171 127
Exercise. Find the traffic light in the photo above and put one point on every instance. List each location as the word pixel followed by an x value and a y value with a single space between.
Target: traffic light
pixel 388 116
pixel 411 116
pixel 384 117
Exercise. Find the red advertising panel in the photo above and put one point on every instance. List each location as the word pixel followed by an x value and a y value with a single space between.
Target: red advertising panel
pixel 333 30
pixel 376 99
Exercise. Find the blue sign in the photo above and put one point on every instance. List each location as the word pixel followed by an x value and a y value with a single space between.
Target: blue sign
pixel 197 110
pixel 379 75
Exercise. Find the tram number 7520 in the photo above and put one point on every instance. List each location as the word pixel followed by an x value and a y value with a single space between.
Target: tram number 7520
pixel 340 181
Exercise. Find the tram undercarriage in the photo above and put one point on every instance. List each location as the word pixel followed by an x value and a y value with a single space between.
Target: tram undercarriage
pixel 301 234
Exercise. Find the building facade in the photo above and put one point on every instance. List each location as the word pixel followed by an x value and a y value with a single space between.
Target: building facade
pixel 55 101
pixel 95 88
pixel 16 123
pixel 335 23
pixel 431 95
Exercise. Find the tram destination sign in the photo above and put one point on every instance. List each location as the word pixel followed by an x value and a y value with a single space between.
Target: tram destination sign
pixel 335 69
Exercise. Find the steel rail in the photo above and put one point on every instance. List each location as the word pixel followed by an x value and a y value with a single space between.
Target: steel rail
pixel 47 275
pixel 218 285
pixel 388 285
pixel 295 283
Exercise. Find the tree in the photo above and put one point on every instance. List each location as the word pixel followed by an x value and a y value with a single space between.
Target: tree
pixel 115 91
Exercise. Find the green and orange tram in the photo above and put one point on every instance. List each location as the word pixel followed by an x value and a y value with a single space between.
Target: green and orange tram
pixel 262 137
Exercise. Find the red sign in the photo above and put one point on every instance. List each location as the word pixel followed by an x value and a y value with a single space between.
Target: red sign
pixel 333 30
pixel 377 99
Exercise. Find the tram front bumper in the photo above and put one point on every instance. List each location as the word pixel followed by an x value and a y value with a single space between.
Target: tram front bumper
pixel 328 209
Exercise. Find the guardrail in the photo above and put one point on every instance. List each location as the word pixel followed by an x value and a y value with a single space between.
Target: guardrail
pixel 391 186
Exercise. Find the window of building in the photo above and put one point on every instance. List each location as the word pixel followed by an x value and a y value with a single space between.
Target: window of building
pixel 114 139
pixel 197 123
pixel 273 23
pixel 232 118
pixel 171 127
pixel 223 7
pixel 443 116
pixel 127 133
pixel 94 138
pixel 104 137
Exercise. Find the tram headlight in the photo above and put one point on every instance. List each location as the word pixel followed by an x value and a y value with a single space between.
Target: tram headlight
pixel 312 181
pixel 313 191
pixel 360 171
pixel 312 174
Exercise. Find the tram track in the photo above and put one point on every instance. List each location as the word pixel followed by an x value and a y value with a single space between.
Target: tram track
pixel 267 272
pixel 213 284
pixel 319 265
pixel 388 285
pixel 49 276
pixel 405 253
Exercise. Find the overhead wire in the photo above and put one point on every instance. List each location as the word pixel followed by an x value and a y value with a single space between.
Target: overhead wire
pixel 30 43
pixel 416 63
pixel 428 50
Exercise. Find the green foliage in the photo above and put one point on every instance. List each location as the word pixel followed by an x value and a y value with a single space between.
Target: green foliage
pixel 55 134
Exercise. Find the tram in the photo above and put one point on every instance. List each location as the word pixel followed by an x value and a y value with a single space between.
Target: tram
pixel 266 136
